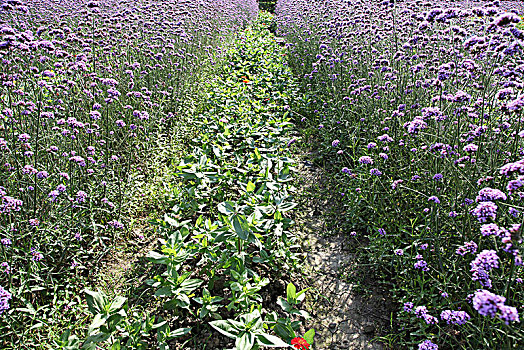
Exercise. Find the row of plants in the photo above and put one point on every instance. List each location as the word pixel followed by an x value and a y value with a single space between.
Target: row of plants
pixel 225 243
pixel 417 109
pixel 86 88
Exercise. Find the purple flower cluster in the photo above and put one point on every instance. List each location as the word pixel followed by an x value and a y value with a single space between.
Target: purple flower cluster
pixel 455 317
pixel 492 305
pixel 482 265
pixel 5 296
pixel 422 312
pixel 427 345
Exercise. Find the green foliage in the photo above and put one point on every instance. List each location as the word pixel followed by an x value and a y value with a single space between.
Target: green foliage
pixel 229 220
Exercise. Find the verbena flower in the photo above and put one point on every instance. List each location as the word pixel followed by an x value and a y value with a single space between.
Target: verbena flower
pixel 5 296
pixel 408 306
pixel 490 305
pixel 485 210
pixel 468 247
pixel 375 172
pixel 365 160
pixel 427 345
pixel 455 317
pixel 490 194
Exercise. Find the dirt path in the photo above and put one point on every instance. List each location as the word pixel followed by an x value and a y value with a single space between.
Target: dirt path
pixel 342 317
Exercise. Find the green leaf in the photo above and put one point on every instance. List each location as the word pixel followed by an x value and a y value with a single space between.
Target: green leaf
pixel 271 341
pixel 291 292
pixel 250 187
pixel 116 345
pixel 227 207
pixel 95 301
pixel 283 304
pixel 92 340
pixel 302 294
pixel 164 292
pixel 190 285
pixel 157 258
pixel 309 335
pixel 97 322
pixel 224 327
pixel 245 342
pixel 178 332
pixel 257 154
pixel 240 226
pixel 117 304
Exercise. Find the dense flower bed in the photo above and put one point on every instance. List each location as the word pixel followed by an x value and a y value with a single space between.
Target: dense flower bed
pixel 419 106
pixel 85 88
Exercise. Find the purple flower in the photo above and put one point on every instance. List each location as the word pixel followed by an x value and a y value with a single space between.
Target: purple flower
pixel 346 170
pixel 81 196
pixel 438 177
pixel 37 256
pixel 421 265
pixel 506 18
pixel 434 199
pixel 468 247
pixel 485 210
pixel 335 143
pixel 490 304
pixel 490 194
pixel 53 195
pixel 23 138
pixel 5 296
pixel 116 224
pixel 385 138
pixel 381 231
pixel 422 312
pixel 42 174
pixel 455 317
pixel 6 242
pixel 490 230
pixel 396 183
pixel 427 345
pixel 399 252
pixel 375 172
pixel 408 307
pixel 471 148
pixel 365 160
pixel 508 314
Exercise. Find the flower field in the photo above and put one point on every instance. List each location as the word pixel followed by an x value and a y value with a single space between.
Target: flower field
pixel 418 108
pixel 169 131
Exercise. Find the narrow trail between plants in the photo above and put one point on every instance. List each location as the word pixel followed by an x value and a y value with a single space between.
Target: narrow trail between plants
pixel 343 317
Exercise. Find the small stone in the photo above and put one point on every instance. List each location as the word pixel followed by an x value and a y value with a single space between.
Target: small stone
pixel 369 328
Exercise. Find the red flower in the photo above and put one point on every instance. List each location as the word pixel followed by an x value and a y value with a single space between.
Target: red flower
pixel 300 343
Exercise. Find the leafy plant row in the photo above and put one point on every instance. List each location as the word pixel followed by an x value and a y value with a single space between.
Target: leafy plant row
pixel 226 241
